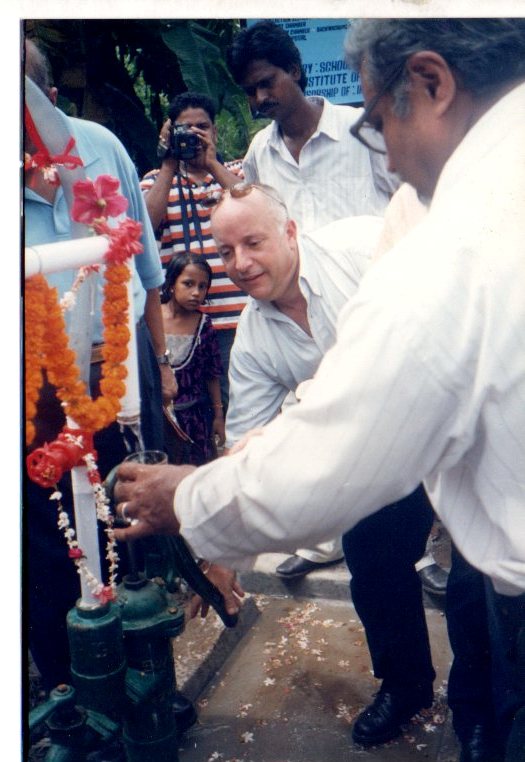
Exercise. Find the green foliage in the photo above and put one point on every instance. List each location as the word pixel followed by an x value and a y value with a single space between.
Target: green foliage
pixel 200 51
pixel 235 130
pixel 123 74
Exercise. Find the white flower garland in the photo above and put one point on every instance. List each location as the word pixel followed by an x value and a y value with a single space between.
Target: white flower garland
pixel 97 588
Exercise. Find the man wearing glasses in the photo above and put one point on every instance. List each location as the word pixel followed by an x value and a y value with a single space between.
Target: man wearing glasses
pixel 425 381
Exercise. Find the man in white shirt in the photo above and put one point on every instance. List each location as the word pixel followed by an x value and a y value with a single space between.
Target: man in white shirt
pixel 307 152
pixel 426 378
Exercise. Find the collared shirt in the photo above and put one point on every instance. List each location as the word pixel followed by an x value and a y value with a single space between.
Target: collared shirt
pixel 272 354
pixel 45 222
pixel 187 227
pixel 335 177
pixel 425 382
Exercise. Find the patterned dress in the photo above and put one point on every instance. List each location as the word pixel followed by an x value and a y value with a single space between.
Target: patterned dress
pixel 195 360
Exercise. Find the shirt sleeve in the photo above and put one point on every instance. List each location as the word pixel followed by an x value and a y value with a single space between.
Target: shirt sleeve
pixel 372 425
pixel 148 181
pixel 256 395
pixel 147 263
pixel 236 168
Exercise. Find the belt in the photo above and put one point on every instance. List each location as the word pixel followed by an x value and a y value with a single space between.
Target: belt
pixel 96 353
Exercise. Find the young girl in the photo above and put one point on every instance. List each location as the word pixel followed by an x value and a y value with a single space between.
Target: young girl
pixel 193 349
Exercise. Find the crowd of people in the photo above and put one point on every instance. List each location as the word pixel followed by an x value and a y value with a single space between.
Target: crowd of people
pixel 349 289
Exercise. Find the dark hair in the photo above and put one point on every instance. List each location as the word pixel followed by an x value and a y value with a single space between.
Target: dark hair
pixel 175 268
pixel 191 100
pixel 482 53
pixel 37 66
pixel 264 40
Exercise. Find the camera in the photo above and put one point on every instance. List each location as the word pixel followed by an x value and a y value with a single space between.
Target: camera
pixel 184 144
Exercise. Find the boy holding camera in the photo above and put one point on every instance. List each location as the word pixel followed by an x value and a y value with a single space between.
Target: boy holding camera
pixel 190 172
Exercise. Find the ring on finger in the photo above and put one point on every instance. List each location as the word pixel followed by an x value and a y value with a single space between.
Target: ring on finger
pixel 123 513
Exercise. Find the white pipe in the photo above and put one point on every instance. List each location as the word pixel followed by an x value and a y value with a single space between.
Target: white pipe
pixel 65 255
pixel 86 531
pixel 130 404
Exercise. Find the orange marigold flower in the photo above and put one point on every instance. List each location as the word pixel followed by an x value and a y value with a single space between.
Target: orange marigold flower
pixel 46 346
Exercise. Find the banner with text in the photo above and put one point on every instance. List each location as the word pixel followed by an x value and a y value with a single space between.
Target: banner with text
pixel 321 44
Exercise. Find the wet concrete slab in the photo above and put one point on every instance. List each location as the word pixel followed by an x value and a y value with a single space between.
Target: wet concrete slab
pixel 294 683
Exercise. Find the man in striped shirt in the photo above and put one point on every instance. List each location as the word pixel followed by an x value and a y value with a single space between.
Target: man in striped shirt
pixel 174 196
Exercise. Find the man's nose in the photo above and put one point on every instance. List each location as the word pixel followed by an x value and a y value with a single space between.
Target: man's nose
pixel 242 259
pixel 261 95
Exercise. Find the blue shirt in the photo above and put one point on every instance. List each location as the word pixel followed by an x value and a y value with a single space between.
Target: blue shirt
pixel 45 222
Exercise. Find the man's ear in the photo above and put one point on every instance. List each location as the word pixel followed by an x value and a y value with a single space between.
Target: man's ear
pixel 291 229
pixel 431 76
pixel 295 72
pixel 53 95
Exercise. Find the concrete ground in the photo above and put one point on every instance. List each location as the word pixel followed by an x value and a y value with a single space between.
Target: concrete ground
pixel 287 683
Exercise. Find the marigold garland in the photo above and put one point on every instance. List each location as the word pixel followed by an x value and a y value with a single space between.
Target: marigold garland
pixel 47 345
pixel 35 316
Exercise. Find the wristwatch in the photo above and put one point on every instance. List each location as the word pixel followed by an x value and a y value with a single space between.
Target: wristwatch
pixel 164 359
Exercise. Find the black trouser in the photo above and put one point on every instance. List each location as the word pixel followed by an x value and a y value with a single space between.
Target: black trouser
pixel 386 591
pixel 487 636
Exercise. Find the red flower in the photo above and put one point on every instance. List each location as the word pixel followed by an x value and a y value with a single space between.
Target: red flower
pixel 75 553
pixel 94 477
pixel 106 595
pixel 124 241
pixel 97 199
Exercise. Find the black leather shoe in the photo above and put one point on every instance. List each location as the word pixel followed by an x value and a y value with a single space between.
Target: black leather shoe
pixel 184 711
pixel 295 566
pixel 433 579
pixel 382 720
pixel 478 746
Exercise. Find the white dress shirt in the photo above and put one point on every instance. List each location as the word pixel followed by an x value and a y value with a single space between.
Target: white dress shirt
pixel 271 354
pixel 425 382
pixel 335 177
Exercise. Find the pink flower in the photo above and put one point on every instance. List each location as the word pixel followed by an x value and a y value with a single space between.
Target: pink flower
pixel 124 241
pixel 97 199
pixel 106 595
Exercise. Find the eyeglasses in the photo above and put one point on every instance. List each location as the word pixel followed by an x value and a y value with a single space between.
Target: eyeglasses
pixel 239 190
pixel 363 130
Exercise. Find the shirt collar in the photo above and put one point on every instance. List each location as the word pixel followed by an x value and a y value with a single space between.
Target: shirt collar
pixel 86 149
pixel 504 117
pixel 328 125
pixel 308 273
